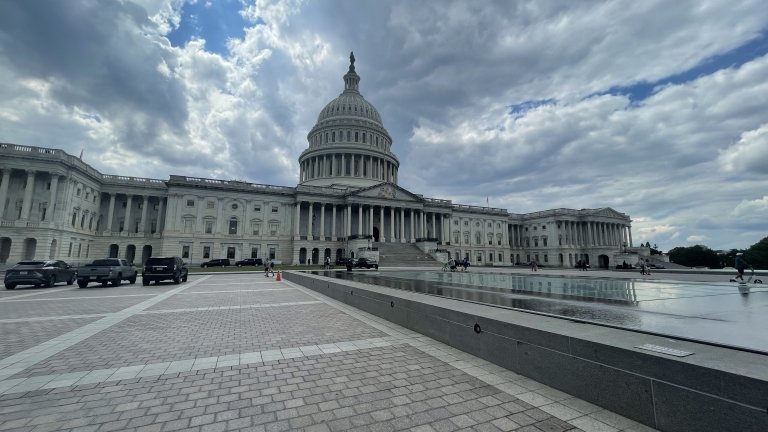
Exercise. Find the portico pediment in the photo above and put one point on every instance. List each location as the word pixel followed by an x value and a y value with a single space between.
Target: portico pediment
pixel 387 191
pixel 609 213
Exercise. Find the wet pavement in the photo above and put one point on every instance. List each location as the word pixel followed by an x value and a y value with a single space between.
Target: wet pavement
pixel 722 313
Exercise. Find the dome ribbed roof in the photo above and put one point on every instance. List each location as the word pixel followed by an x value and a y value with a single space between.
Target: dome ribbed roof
pixel 350 102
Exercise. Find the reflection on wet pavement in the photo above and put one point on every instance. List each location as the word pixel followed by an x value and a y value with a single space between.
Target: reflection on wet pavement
pixel 721 313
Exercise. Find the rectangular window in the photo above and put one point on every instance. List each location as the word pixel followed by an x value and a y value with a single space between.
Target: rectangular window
pixel 233 226
pixel 206 252
pixel 499 257
pixel 190 203
pixel 257 208
pixel 69 254
pixel 124 204
pixel 355 136
pixel 272 252
pixel 363 137
pixel 274 209
pixel 273 228
pixel 231 252
pixel 546 258
pixel 87 195
pixel 121 225
pixel 254 252
pixel 209 204
pixel 153 228
pixel 187 225
pixel 185 251
pixel 256 228
pixel 87 250
pixel 209 227
pixel 79 191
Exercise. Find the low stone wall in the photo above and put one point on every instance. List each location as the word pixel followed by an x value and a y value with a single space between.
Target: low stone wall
pixel 716 389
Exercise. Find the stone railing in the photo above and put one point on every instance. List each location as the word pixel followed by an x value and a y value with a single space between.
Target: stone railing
pixel 232 184
pixel 136 181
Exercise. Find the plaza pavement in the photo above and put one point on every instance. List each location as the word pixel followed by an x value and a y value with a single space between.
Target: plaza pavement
pixel 241 352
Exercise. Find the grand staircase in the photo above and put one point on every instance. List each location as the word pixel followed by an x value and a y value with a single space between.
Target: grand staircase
pixel 404 255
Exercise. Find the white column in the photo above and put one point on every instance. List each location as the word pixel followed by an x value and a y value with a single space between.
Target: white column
pixel 333 218
pixel 27 204
pixel 4 190
pixel 442 228
pixel 143 223
pixel 128 205
pixel 160 215
pixel 296 220
pixel 413 234
pixel 391 224
pixel 322 214
pixel 349 220
pixel 52 200
pixel 382 226
pixel 629 231
pixel 309 221
pixel 111 212
pixel 371 210
pixel 402 224
pixel 360 219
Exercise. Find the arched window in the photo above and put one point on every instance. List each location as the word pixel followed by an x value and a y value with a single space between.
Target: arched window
pixel 233 225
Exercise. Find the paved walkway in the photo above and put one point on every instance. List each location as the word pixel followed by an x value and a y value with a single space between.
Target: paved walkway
pixel 241 352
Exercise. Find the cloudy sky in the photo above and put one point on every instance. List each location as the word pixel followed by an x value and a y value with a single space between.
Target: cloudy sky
pixel 658 109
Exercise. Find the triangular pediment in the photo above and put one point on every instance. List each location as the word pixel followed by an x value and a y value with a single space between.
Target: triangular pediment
pixel 387 191
pixel 609 212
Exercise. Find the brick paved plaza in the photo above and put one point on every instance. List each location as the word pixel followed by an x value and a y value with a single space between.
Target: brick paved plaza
pixel 241 352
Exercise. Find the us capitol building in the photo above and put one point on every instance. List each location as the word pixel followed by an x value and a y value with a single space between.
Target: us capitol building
pixel 347 203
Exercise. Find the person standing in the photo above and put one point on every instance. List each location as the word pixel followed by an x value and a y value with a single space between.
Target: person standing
pixel 534 266
pixel 465 264
pixel 642 267
pixel 740 265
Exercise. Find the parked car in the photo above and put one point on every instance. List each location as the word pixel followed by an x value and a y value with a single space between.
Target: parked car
pixel 39 273
pixel 365 263
pixel 164 268
pixel 219 262
pixel 343 261
pixel 250 262
pixel 107 270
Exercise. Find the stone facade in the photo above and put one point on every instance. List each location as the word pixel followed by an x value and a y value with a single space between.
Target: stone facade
pixel 53 205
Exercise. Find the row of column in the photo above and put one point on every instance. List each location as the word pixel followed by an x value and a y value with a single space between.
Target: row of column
pixel 399 218
pixel 26 205
pixel 335 165
pixel 579 234
pixel 129 209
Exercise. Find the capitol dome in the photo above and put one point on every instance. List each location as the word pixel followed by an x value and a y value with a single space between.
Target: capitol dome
pixel 348 146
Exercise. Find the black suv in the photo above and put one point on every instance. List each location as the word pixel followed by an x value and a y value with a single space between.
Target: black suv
pixel 164 268
pixel 250 262
pixel 365 263
pixel 219 262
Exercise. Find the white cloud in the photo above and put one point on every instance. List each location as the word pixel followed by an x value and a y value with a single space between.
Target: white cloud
pixel 749 154
pixel 696 238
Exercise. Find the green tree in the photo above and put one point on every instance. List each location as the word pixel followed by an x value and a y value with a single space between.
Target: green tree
pixel 757 254
pixel 695 256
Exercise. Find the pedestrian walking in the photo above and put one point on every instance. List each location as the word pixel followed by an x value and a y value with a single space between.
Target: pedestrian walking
pixel 740 265
pixel 534 266
pixel 269 269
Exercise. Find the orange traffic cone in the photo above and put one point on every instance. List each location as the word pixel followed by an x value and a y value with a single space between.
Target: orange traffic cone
pixel 279 278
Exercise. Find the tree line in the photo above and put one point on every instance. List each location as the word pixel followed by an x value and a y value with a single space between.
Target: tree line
pixel 700 255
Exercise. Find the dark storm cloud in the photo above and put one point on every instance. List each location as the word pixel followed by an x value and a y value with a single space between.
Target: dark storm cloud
pixel 97 58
